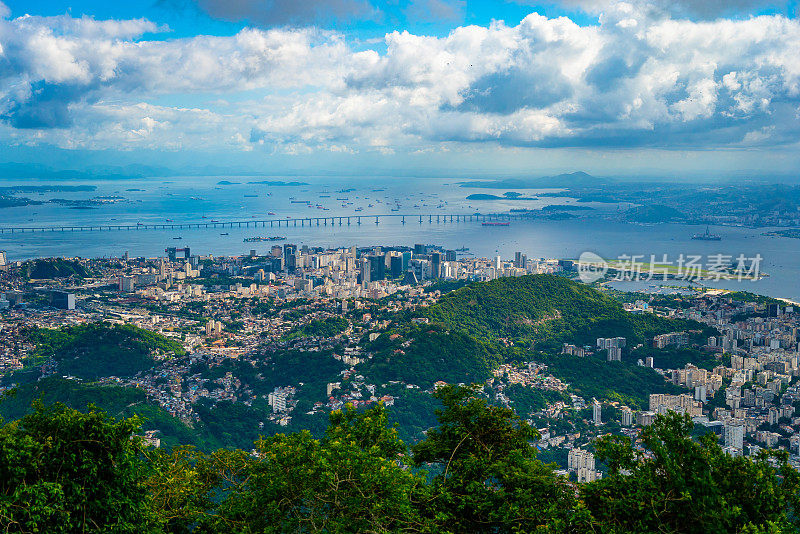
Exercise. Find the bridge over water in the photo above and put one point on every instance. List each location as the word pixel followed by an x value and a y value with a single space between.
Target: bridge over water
pixel 345 220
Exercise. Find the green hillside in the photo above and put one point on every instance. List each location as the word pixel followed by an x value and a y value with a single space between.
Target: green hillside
pixel 542 309
pixel 117 401
pixel 433 354
pixel 54 268
pixel 96 350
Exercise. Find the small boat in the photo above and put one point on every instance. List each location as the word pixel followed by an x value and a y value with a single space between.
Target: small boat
pixel 225 233
pixel 271 213
pixel 177 237
pixel 495 224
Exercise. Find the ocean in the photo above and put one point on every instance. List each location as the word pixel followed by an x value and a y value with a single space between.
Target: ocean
pixel 201 199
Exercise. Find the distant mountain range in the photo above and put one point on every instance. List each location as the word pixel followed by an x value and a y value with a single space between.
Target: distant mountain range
pixel 567 180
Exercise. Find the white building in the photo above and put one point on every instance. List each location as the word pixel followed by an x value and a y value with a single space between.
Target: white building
pixel 734 435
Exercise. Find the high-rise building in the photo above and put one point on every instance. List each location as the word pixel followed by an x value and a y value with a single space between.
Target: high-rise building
pixel 406 260
pixel 277 399
pixel 436 264
pixel 597 415
pixel 62 300
pixel 614 354
pixel 734 435
pixel 127 283
pixel 396 266
pixel 579 458
pixel 364 271
pixel 276 251
pixel 377 268
pixel 700 393
pixel 627 416
pixel 450 255
pixel 420 249
pixel 3 258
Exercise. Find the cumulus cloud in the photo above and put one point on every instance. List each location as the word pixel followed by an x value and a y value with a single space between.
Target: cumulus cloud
pixel 693 9
pixel 633 80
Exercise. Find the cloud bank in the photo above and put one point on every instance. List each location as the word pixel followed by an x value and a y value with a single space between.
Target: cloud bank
pixel 639 78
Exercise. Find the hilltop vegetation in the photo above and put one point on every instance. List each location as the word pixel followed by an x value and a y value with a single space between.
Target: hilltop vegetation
pixel 433 354
pixel 49 268
pixel 543 309
pixel 475 328
pixel 96 350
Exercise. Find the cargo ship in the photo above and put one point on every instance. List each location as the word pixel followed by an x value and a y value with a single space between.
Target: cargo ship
pixel 707 236
pixel 495 224
pixel 258 239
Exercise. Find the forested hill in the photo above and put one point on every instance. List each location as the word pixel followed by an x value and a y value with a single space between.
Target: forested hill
pixel 542 308
pixel 97 350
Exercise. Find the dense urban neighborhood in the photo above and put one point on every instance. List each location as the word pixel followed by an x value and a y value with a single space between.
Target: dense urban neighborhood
pixel 237 347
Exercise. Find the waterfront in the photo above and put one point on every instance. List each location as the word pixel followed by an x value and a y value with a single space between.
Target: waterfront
pixel 191 199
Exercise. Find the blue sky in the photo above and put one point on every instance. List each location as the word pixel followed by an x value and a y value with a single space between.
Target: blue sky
pixel 658 87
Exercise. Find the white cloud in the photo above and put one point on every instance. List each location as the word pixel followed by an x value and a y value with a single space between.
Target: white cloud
pixel 636 79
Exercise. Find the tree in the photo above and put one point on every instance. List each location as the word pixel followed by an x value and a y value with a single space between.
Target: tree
pixel 66 471
pixel 680 485
pixel 352 480
pixel 489 479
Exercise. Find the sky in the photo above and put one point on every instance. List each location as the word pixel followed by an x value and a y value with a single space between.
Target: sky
pixel 672 88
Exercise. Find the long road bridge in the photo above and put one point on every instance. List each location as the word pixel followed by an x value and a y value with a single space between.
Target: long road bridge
pixel 271 223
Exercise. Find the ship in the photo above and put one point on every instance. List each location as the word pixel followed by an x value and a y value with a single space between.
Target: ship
pixel 258 239
pixel 495 224
pixel 707 236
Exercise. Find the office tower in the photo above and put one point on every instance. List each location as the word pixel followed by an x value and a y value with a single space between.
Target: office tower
pixel 396 266
pixel 290 261
pixel 289 250
pixel 277 251
pixel 62 300
pixel 364 271
pixel 450 255
pixel 377 269
pixel 406 260
pixel 419 249
pixel 518 259
pixel 436 264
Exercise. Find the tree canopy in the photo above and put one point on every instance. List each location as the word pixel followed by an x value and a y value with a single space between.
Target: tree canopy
pixel 62 470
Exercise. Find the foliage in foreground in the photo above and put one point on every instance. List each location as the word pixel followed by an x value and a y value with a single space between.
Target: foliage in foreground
pixel 66 471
